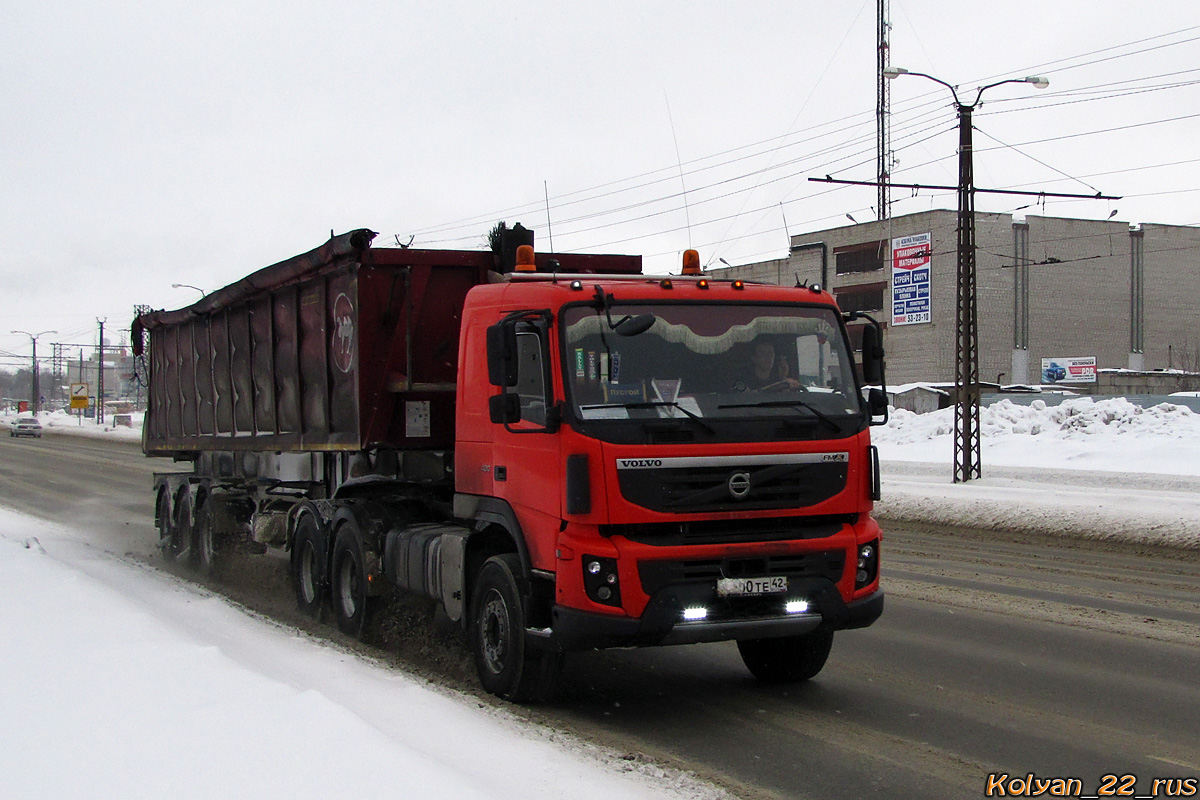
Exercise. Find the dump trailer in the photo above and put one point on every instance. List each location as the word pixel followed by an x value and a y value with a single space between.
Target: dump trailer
pixel 564 453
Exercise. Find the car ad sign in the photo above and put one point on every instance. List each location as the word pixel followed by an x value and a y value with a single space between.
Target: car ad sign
pixel 1069 370
pixel 910 279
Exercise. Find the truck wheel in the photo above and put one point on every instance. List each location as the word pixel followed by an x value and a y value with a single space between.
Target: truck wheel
pixel 348 582
pixel 180 547
pixel 506 667
pixel 786 660
pixel 308 566
pixel 204 537
pixel 163 521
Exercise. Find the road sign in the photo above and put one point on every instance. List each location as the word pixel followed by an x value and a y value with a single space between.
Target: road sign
pixel 79 395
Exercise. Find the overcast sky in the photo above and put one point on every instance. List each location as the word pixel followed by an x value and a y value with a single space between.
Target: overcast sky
pixel 149 143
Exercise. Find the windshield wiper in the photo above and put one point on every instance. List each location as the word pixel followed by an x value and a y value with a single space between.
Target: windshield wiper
pixel 699 420
pixel 786 404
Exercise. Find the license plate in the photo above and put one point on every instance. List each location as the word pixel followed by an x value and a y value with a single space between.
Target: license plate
pixel 750 587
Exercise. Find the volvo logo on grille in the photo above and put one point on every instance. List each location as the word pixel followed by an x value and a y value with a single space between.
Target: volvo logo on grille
pixel 738 485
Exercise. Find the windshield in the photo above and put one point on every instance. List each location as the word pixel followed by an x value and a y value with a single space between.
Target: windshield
pixel 711 362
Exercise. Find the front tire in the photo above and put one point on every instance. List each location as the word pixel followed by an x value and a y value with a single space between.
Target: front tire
pixel 789 659
pixel 506 666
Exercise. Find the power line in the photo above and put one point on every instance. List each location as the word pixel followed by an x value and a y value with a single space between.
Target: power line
pixel 706 191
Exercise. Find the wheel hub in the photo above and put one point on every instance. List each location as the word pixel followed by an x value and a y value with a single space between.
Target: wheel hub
pixel 346 587
pixel 494 632
pixel 307 585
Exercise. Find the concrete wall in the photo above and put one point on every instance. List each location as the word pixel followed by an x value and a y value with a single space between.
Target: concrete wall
pixel 1047 287
pixel 1172 288
pixel 1126 382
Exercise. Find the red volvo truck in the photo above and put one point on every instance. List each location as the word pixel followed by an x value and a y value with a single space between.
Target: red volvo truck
pixel 564 453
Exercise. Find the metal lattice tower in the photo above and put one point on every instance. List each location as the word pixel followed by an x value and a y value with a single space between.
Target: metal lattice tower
pixel 883 114
pixel 966 317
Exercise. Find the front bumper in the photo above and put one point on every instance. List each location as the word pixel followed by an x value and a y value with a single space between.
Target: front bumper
pixel 663 622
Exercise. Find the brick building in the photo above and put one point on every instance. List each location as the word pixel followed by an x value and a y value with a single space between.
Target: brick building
pixel 1048 287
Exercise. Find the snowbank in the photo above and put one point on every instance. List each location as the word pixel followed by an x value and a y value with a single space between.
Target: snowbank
pixel 120 681
pixel 1101 469
pixel 1111 435
pixel 54 422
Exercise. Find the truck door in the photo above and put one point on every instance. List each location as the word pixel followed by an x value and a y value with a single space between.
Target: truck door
pixel 528 463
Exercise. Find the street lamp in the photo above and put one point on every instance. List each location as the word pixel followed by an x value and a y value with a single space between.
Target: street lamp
pixel 35 390
pixel 966 318
pixel 189 286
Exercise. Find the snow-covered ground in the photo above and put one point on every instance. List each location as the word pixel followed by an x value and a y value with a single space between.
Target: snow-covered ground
pixel 1111 435
pixel 1106 469
pixel 117 680
pixel 66 423
pixel 121 681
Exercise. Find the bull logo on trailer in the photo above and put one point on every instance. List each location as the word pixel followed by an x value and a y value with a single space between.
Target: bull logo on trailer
pixel 342 345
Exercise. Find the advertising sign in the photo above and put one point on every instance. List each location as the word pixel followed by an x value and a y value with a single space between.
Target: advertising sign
pixel 910 279
pixel 1069 370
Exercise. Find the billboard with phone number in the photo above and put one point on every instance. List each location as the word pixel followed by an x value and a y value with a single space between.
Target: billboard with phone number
pixel 911 257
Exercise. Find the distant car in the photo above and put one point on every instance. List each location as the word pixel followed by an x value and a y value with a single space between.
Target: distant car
pixel 26 426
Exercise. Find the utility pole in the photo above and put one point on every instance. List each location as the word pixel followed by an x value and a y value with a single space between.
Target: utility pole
pixel 35 387
pixel 882 113
pixel 967 464
pixel 966 377
pixel 57 371
pixel 100 380
pixel 81 411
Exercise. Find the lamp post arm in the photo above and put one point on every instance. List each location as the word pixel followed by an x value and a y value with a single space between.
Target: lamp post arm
pixel 983 89
pixel 953 91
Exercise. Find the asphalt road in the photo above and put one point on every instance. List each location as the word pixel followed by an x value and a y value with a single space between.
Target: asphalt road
pixel 995 654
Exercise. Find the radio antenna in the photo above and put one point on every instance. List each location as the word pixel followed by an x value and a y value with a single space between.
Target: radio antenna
pixel 549 228
pixel 687 214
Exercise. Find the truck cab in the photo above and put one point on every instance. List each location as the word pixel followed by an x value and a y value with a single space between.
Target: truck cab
pixel 681 460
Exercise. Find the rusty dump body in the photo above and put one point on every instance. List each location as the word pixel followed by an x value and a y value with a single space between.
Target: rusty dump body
pixel 343 348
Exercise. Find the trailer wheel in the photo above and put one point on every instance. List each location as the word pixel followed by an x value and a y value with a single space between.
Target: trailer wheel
pixel 789 659
pixel 348 581
pixel 308 566
pixel 180 547
pixel 163 521
pixel 506 666
pixel 204 537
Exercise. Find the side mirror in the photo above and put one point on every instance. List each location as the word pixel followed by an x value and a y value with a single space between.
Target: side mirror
pixel 502 355
pixel 877 404
pixel 632 326
pixel 872 355
pixel 504 408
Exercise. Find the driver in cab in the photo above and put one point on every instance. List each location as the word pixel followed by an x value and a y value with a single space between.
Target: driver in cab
pixel 767 373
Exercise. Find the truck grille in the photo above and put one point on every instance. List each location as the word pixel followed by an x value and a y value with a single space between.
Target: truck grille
pixel 719 531
pixel 709 488
pixel 827 564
